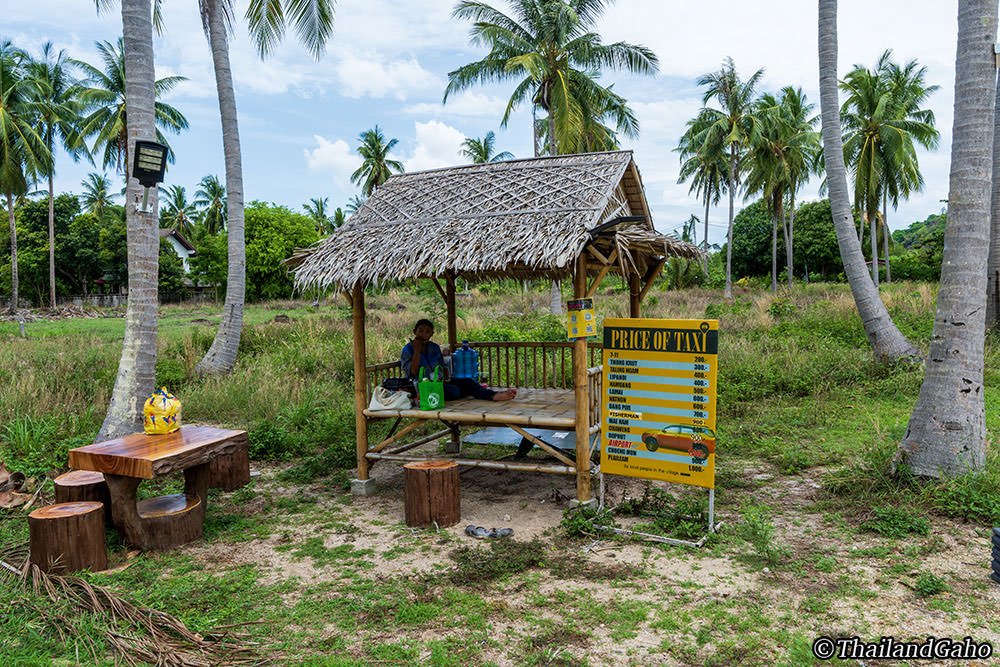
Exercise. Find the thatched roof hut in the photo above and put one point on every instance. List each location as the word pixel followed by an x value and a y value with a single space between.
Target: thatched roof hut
pixel 523 219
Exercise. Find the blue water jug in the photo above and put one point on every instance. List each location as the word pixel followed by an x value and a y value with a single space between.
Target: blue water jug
pixel 466 362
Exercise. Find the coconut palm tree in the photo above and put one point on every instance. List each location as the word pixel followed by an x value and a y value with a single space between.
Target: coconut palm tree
pixel 97 194
pixel 886 340
pixel 103 92
pixel 211 198
pixel 993 263
pixel 316 209
pixel 136 369
pixel 946 435
pixel 23 152
pixel 178 212
pixel 354 203
pixel 732 129
pixel 782 157
pixel 706 166
pixel 766 174
pixel 266 21
pixel 882 118
pixel 376 167
pixel 59 112
pixel 550 49
pixel 338 219
pixel 481 150
pixel 909 91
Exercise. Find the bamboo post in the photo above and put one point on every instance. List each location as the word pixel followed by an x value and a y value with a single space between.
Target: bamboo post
pixel 633 295
pixel 453 446
pixel 580 385
pixel 449 301
pixel 362 485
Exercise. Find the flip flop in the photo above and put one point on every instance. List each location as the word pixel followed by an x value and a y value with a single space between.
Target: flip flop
pixel 477 532
pixel 505 532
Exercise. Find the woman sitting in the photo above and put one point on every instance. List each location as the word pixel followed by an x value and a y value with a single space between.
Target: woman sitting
pixel 422 353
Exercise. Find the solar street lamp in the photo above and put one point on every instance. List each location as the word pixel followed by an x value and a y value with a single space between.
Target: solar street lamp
pixel 148 166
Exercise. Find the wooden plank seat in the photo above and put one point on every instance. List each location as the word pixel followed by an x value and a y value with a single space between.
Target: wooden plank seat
pixel 126 461
pixel 549 408
pixel 67 537
pixel 84 485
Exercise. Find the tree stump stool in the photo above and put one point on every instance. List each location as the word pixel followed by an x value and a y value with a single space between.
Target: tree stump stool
pixel 84 485
pixel 231 471
pixel 431 493
pixel 68 536
pixel 169 521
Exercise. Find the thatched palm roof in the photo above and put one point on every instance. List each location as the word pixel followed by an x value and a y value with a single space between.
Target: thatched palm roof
pixel 521 218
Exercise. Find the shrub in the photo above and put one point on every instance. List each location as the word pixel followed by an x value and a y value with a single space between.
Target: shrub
pixel 756 527
pixel 585 521
pixel 893 521
pixel 929 584
pixel 269 440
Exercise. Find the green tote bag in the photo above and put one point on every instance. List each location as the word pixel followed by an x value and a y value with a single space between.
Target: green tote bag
pixel 431 391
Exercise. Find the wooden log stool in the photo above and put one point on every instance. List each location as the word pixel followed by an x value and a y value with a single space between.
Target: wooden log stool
pixel 84 485
pixel 68 536
pixel 431 493
pixel 171 520
pixel 231 471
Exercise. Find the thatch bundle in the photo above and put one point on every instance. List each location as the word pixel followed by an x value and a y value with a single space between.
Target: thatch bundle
pixel 516 219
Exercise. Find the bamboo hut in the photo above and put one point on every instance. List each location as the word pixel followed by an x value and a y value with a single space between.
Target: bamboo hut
pixel 574 217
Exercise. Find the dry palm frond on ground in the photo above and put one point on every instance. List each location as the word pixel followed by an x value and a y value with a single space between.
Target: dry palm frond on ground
pixel 136 634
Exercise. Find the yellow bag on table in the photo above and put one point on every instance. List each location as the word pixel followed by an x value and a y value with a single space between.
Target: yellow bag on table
pixel 161 413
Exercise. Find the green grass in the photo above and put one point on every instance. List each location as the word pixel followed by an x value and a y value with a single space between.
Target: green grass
pixel 808 426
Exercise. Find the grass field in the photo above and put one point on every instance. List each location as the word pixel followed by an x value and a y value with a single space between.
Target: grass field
pixel 818 537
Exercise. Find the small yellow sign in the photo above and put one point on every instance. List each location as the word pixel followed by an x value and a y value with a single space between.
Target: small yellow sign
pixel 582 321
pixel 659 386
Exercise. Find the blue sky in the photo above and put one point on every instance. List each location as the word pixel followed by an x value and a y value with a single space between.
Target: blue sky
pixel 388 62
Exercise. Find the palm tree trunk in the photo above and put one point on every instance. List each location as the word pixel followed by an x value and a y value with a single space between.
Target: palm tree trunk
pixel 729 235
pixel 993 263
pixel 774 253
pixel 52 246
pixel 946 435
pixel 872 221
pixel 137 368
pixel 790 239
pixel 221 356
pixel 13 253
pixel 708 201
pixel 885 236
pixel 552 131
pixel 555 299
pixel 886 340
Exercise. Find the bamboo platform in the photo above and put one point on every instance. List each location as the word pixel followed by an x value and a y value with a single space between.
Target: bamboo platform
pixel 549 408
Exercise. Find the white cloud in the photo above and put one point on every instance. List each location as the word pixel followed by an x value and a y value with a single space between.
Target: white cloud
pixel 437 146
pixel 469 104
pixel 333 156
pixel 370 76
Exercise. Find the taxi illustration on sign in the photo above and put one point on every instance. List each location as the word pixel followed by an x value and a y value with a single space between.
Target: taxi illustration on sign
pixel 697 441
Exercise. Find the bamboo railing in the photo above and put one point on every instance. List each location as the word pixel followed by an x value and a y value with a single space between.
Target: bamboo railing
pixel 541 365
pixel 545 365
pixel 594 397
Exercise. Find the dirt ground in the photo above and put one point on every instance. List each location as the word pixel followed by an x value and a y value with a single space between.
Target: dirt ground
pixel 862 598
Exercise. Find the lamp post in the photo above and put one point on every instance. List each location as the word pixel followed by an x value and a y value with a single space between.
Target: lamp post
pixel 148 167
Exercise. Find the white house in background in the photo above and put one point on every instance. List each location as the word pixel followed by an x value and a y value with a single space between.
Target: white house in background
pixel 181 246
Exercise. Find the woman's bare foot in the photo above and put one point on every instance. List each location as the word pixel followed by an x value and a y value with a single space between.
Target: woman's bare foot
pixel 505 395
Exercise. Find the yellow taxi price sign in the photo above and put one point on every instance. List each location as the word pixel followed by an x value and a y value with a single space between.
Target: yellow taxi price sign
pixel 659 398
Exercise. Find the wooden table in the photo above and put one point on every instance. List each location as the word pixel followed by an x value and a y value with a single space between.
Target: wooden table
pixel 159 523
